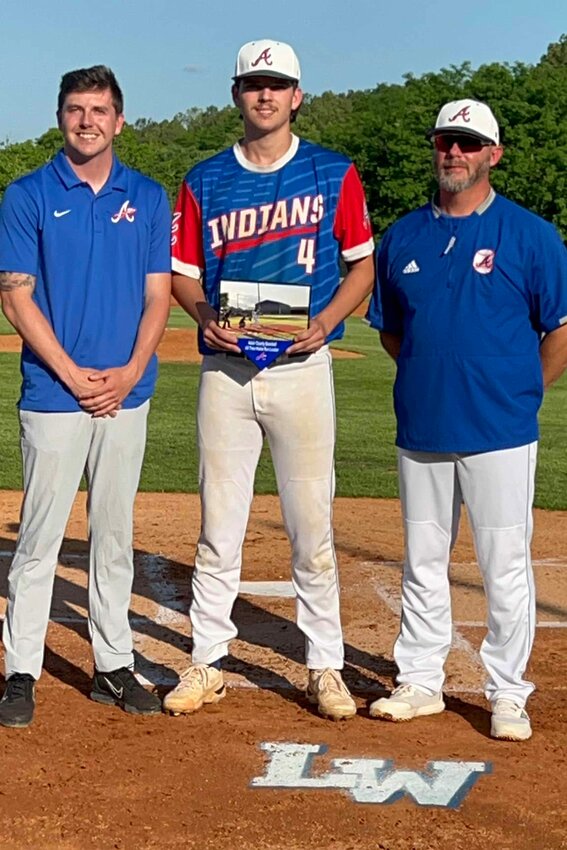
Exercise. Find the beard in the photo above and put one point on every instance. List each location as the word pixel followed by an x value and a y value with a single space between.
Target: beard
pixel 451 183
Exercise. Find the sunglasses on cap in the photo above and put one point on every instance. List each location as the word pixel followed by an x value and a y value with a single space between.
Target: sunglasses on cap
pixel 467 144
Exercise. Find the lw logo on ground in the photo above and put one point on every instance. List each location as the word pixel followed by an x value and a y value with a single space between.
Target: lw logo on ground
pixel 443 783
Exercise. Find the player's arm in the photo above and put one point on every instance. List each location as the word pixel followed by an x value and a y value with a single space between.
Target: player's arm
pixel 356 286
pixel 189 293
pixel 553 354
pixel 120 380
pixel 188 265
pixel 24 315
pixel 353 232
pixel 548 278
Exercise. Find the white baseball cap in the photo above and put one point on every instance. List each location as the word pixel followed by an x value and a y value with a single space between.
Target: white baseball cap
pixel 470 117
pixel 267 58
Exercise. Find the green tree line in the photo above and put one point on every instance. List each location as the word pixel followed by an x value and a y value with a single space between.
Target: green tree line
pixel 382 129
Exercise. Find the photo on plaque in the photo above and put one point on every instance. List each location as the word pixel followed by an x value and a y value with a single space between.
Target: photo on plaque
pixel 264 310
pixel 264 317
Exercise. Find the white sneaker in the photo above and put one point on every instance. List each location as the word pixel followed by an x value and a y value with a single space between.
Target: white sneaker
pixel 327 689
pixel 406 702
pixel 199 684
pixel 509 721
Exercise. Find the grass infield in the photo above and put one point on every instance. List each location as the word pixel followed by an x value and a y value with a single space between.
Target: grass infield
pixel 365 456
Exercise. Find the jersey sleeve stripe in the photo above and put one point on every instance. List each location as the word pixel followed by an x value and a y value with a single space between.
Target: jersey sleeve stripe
pixel 358 252
pixel 186 268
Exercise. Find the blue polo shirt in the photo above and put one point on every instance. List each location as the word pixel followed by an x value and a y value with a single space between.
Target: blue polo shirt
pixel 470 298
pixel 90 254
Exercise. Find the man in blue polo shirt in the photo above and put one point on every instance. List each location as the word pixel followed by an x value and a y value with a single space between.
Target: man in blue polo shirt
pixel 471 302
pixel 84 279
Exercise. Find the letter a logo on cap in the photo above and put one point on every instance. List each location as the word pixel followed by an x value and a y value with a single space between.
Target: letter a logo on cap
pixel 463 113
pixel 265 55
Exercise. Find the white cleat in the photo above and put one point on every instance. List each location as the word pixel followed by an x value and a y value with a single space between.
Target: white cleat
pixel 406 702
pixel 510 722
pixel 327 690
pixel 198 685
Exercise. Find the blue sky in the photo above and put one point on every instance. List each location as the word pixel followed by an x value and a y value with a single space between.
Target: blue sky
pixel 174 54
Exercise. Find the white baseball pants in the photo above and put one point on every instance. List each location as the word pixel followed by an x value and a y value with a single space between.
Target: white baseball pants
pixel 497 489
pixel 292 404
pixel 56 449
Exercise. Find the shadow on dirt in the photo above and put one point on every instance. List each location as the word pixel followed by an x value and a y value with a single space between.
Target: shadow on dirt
pixel 167 584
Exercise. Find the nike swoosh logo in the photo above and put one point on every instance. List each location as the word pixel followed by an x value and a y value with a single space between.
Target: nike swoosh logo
pixel 116 691
pixel 58 213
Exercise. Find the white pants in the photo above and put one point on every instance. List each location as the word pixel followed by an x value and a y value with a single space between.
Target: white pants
pixel 292 404
pixel 56 449
pixel 497 489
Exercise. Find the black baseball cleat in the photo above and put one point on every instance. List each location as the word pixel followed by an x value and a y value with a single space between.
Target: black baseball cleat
pixel 120 687
pixel 18 703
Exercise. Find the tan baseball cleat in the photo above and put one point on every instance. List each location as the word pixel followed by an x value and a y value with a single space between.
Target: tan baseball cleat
pixel 327 689
pixel 198 685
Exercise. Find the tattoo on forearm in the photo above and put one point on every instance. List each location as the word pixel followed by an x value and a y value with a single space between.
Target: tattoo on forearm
pixel 15 280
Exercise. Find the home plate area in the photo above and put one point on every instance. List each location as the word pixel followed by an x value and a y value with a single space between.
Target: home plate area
pixel 281 775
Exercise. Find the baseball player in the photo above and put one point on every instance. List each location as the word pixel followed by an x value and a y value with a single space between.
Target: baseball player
pixel 467 286
pixel 85 280
pixel 271 208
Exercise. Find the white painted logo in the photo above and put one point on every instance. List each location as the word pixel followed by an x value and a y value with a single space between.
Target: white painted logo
pixel 443 783
pixel 483 260
pixel 411 268
pixel 59 213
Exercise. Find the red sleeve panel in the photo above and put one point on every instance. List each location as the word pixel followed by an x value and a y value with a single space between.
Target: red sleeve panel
pixel 352 223
pixel 186 235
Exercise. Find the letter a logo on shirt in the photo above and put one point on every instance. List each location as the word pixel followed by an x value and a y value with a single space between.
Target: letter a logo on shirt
pixel 483 261
pixel 126 212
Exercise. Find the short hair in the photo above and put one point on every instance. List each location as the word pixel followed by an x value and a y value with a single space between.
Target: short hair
pixel 86 79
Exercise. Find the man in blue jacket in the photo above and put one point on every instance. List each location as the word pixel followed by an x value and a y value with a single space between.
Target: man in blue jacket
pixel 471 302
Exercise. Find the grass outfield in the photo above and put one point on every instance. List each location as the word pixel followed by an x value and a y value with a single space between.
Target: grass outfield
pixel 366 460
pixel 5 326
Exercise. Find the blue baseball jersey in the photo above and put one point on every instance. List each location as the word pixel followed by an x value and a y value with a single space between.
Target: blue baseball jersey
pixel 470 298
pixel 90 254
pixel 284 223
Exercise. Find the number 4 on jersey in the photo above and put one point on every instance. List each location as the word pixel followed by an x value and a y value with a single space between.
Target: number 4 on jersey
pixel 306 255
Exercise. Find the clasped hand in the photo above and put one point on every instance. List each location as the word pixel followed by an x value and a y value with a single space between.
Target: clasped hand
pixel 101 392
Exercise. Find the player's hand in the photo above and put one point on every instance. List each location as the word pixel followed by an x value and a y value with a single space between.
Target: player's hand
pixel 309 340
pixel 219 338
pixel 106 399
pixel 81 380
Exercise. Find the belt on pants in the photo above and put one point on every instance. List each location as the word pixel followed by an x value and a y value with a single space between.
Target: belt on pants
pixel 297 357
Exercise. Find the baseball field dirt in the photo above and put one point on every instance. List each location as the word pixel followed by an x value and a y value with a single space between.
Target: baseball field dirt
pixel 87 776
